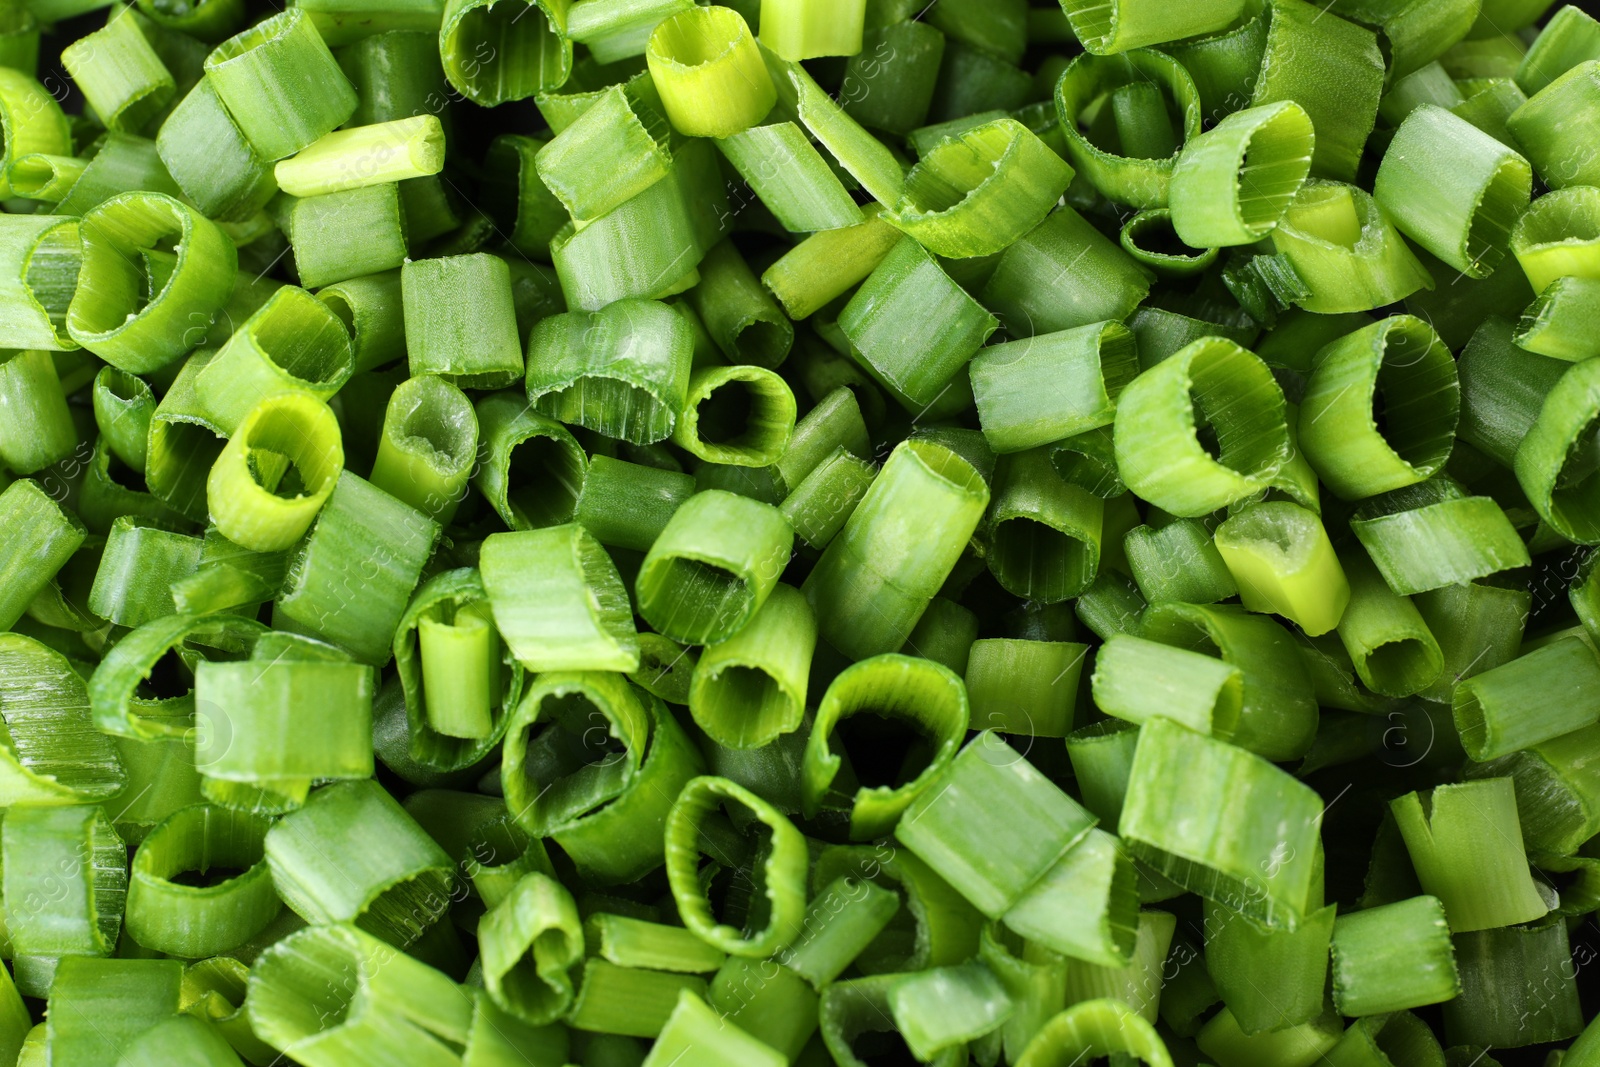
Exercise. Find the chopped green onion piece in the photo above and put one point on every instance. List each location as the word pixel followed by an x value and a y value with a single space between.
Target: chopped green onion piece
pixel 694 1027
pixel 741 416
pixel 1136 680
pixel 825 265
pixel 281 84
pixel 32 122
pixel 283 720
pixel 749 688
pixel 121 76
pixel 1346 251
pixel 1556 324
pixel 428 447
pixel 1280 555
pixel 558 600
pixel 39 537
pixel 72 863
pixel 1141 179
pixel 1559 236
pixel 42 256
pixel 1239 952
pixel 1393 957
pixel 1044 532
pixel 1452 189
pixel 1555 131
pixel 766 862
pixel 709 71
pixel 1086 906
pixel 1178 561
pixel 1534 698
pixel 1050 386
pixel 1517 987
pixel 888 697
pixel 280 430
pixel 37 429
pixel 1025 687
pixel 98 1007
pixel 807 29
pixel 1234 183
pixel 1257 851
pixel 353 855
pixel 137 568
pixel 190 921
pixel 790 177
pixel 532 468
pixel 619 134
pixel 1093 1029
pixel 364 155
pixel 629 942
pixel 460 320
pixel 291 343
pixel 1159 453
pixel 946 1007
pixel 843 919
pixel 873 559
pixel 528 941
pixel 1466 846
pixel 628 1001
pixel 622 371
pixel 1552 464
pixel 1390 645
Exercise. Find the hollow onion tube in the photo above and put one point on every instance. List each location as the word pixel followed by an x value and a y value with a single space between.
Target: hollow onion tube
pixel 529 940
pixel 516 198
pixel 738 416
pixel 121 76
pixel 1086 906
pixel 1346 251
pixel 709 72
pixel 874 560
pixel 137 567
pixel 1393 957
pixel 292 343
pixel 558 601
pixel 1556 323
pixel 1095 1028
pixel 618 136
pixel 1503 388
pixel 71 862
pixel 768 858
pixel 384 1006
pixel 342 235
pixel 1120 174
pixel 923 697
pixel 1534 698
pixel 1149 238
pixel 42 257
pixel 624 1002
pixel 532 469
pixel 749 688
pixel 1453 189
pixel 739 315
pixel 1552 783
pixel 1551 463
pixel 991 825
pixel 367 537
pixel 136 307
pixel 1044 532
pixel 352 854
pixel 1281 557
pixel 1434 535
pixel 1233 183
pixel 936 926
pixel 113 699
pixel 1258 853
pixel 52 754
pixel 1466 846
pixel 1049 386
pixel 428 446
pixel 283 720
pixel 36 428
pixel 364 155
pixel 31 120
pixel 1400 364
pixel 1158 453
pixel 1238 952
pixel 39 538
pixel 913 328
pixel 826 264
pixel 713 566
pixel 973 194
pixel 790 177
pixel 1393 651
pixel 1559 236
pixel 630 942
pixel 123 404
pixel 1556 130
pixel 626 505
pixel 851 1011
pixel 295 428
pixel 193 922
pixel 1061 274
pixel 281 84
pixel 622 371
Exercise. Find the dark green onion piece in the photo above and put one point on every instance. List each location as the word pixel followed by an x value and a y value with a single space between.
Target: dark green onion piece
pixel 1044 532
pixel 123 405
pixel 1239 951
pixel 363 535
pixel 1452 189
pixel 627 505
pixel 874 560
pixel 460 320
pixel 772 873
pixel 558 601
pixel 1050 386
pixel 1257 851
pixel 353 855
pixel 196 921
pixel 39 537
pixel 1061 274
pixel 749 688
pixel 1017 686
pixel 713 566
pixel 1517 987
pixel 346 234
pixel 532 468
pixel 1466 846
pixel 281 84
pixel 37 430
pixel 1178 561
pixel 890 696
pixel 1434 535
pixel 854 1013
pixel 211 159
pixel 1391 646
pixel 622 371
pixel 1149 238
pixel 137 567
pixel 1393 957
pixel 629 942
pixel 913 328
pixel 739 315
pixel 790 177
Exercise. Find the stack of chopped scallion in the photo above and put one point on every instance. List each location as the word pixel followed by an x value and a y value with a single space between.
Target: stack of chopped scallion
pixel 637 533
